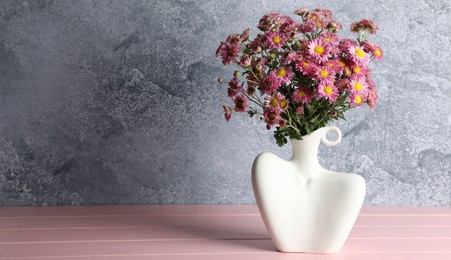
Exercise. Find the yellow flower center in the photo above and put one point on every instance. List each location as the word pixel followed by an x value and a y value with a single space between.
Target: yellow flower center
pixel 276 39
pixel 239 103
pixel 283 103
pixel 359 53
pixel 377 52
pixel 272 116
pixel 318 49
pixel 319 24
pixel 347 71
pixel 341 63
pixel 324 73
pixel 358 86
pixel 356 69
pixel 305 64
pixel 302 93
pixel 358 99
pixel 313 17
pixel 327 39
pixel 328 90
pixel 274 102
pixel 281 73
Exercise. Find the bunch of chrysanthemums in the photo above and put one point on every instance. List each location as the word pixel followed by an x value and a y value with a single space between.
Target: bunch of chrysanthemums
pixel 298 76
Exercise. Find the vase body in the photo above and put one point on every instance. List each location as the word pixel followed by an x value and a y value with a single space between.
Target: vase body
pixel 305 207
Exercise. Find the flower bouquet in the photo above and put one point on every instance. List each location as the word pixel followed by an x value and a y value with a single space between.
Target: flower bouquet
pixel 299 75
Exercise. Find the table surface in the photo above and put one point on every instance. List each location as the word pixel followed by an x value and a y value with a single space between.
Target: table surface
pixel 208 232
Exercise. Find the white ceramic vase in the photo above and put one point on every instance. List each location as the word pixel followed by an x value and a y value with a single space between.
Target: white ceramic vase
pixel 305 207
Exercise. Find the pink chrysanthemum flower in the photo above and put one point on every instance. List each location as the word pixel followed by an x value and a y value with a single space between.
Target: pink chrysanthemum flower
pixel 258 44
pixel 290 57
pixel 345 44
pixel 300 110
pixel 369 81
pixel 241 103
pixel 342 84
pixel 364 25
pixel 289 27
pixel 234 39
pixel 328 91
pixel 275 40
pixel 372 99
pixel 323 13
pixel 244 35
pixel 302 95
pixel 358 86
pixel 329 37
pixel 377 52
pixel 318 50
pixel 246 61
pixel 271 116
pixel 358 55
pixel 268 22
pixel 334 26
pixel 250 90
pixel 347 72
pixel 305 28
pixel 277 101
pixel 270 84
pixel 234 88
pixel 325 73
pixel 367 46
pixel 357 99
pixel 307 67
pixel 227 113
pixel 301 11
pixel 285 74
pixel 333 65
pixel 342 63
pixel 228 52
pixel 282 123
pixel 258 64
pixel 358 71
pixel 317 19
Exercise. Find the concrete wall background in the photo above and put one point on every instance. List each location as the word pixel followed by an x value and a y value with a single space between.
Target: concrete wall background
pixel 113 102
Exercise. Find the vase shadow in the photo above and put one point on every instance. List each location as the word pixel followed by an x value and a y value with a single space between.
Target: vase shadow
pixel 237 238
pixel 239 233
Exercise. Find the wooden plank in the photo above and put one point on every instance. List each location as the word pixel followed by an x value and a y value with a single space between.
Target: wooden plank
pixel 411 211
pixel 127 221
pixel 206 232
pixel 144 210
pixel 215 247
pixel 403 220
pixel 272 256
pixel 115 221
pixel 128 210
pixel 259 256
pixel 239 231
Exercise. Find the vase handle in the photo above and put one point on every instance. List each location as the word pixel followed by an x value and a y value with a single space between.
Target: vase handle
pixel 337 136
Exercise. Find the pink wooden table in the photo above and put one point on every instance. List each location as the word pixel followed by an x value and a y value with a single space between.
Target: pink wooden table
pixel 208 232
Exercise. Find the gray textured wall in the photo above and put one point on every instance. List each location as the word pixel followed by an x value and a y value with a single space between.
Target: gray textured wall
pixel 112 102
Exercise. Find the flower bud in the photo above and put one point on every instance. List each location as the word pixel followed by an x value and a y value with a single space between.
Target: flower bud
pixel 220 80
pixel 333 113
pixel 237 74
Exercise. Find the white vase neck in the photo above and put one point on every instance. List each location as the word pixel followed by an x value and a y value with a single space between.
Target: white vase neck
pixel 305 152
